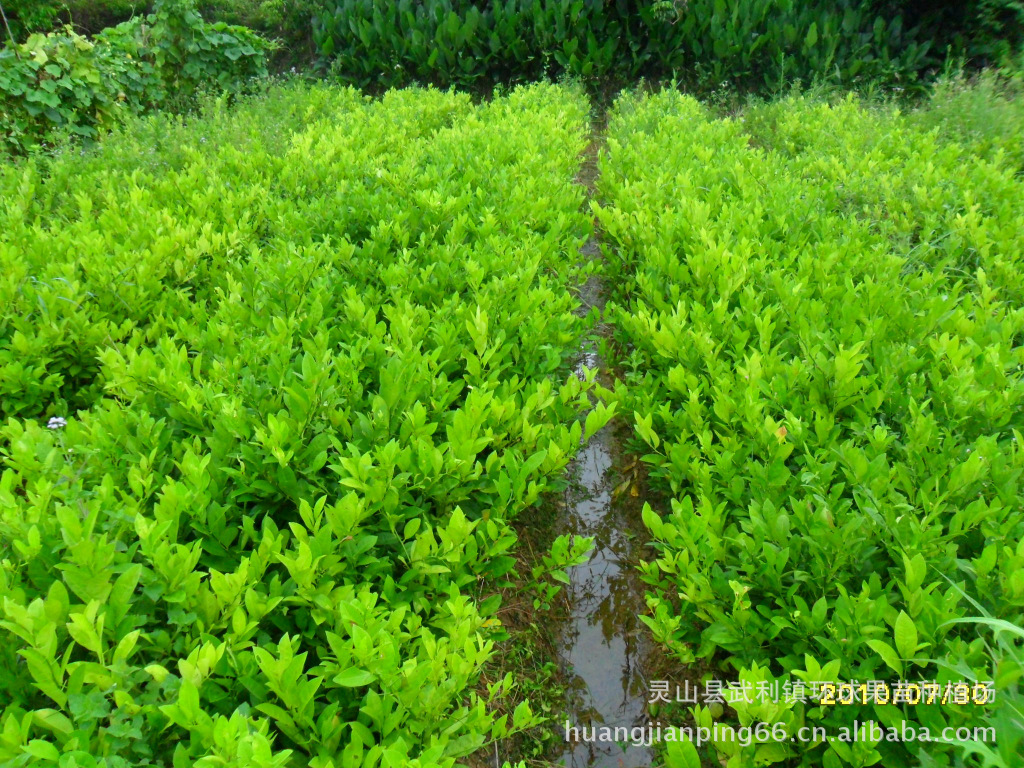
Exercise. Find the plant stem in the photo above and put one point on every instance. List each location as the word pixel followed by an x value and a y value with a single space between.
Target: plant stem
pixel 14 45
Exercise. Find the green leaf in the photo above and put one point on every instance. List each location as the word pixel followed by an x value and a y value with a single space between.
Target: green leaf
pixel 887 654
pixel 353 677
pixel 812 35
pixel 54 721
pixel 998 625
pixel 906 636
pixel 42 750
pixel 652 521
pixel 681 755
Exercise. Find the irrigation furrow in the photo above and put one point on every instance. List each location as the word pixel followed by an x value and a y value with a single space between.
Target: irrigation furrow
pixel 602 644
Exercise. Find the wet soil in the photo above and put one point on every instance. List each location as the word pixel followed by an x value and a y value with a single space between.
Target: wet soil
pixel 603 644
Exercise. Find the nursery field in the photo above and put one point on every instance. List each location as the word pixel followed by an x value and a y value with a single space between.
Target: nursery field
pixel 278 380
pixel 819 320
pixel 274 384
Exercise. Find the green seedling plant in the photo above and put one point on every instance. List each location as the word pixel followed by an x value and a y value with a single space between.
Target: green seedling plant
pixel 276 383
pixel 818 306
pixel 552 572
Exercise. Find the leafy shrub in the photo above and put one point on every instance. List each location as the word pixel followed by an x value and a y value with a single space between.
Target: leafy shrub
pixel 185 51
pixel 62 82
pixel 445 42
pixel 755 42
pixel 820 309
pixel 289 21
pixel 320 349
pixel 768 42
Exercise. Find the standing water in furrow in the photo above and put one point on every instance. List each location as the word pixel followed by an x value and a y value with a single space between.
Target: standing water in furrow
pixel 602 644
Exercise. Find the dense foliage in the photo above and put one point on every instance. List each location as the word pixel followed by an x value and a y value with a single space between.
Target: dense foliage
pixel 27 16
pixel 288 22
pixel 986 31
pixel 752 43
pixel 62 82
pixel 749 44
pixel 755 42
pixel 820 312
pixel 302 363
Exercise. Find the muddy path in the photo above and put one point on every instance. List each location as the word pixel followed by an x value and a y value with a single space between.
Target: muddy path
pixel 603 646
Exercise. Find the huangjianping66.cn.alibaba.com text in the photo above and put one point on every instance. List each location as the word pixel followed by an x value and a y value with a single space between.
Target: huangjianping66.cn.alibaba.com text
pixel 868 731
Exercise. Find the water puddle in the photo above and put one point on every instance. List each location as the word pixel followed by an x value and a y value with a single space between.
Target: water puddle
pixel 603 644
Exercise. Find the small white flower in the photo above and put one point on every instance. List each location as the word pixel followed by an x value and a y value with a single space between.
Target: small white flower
pixel 56 422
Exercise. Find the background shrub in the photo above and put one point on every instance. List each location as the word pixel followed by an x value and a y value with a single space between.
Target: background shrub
pixel 62 82
pixel 288 21
pixel 93 16
pixel 986 31
pixel 27 16
pixel 751 43
pixel 765 42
